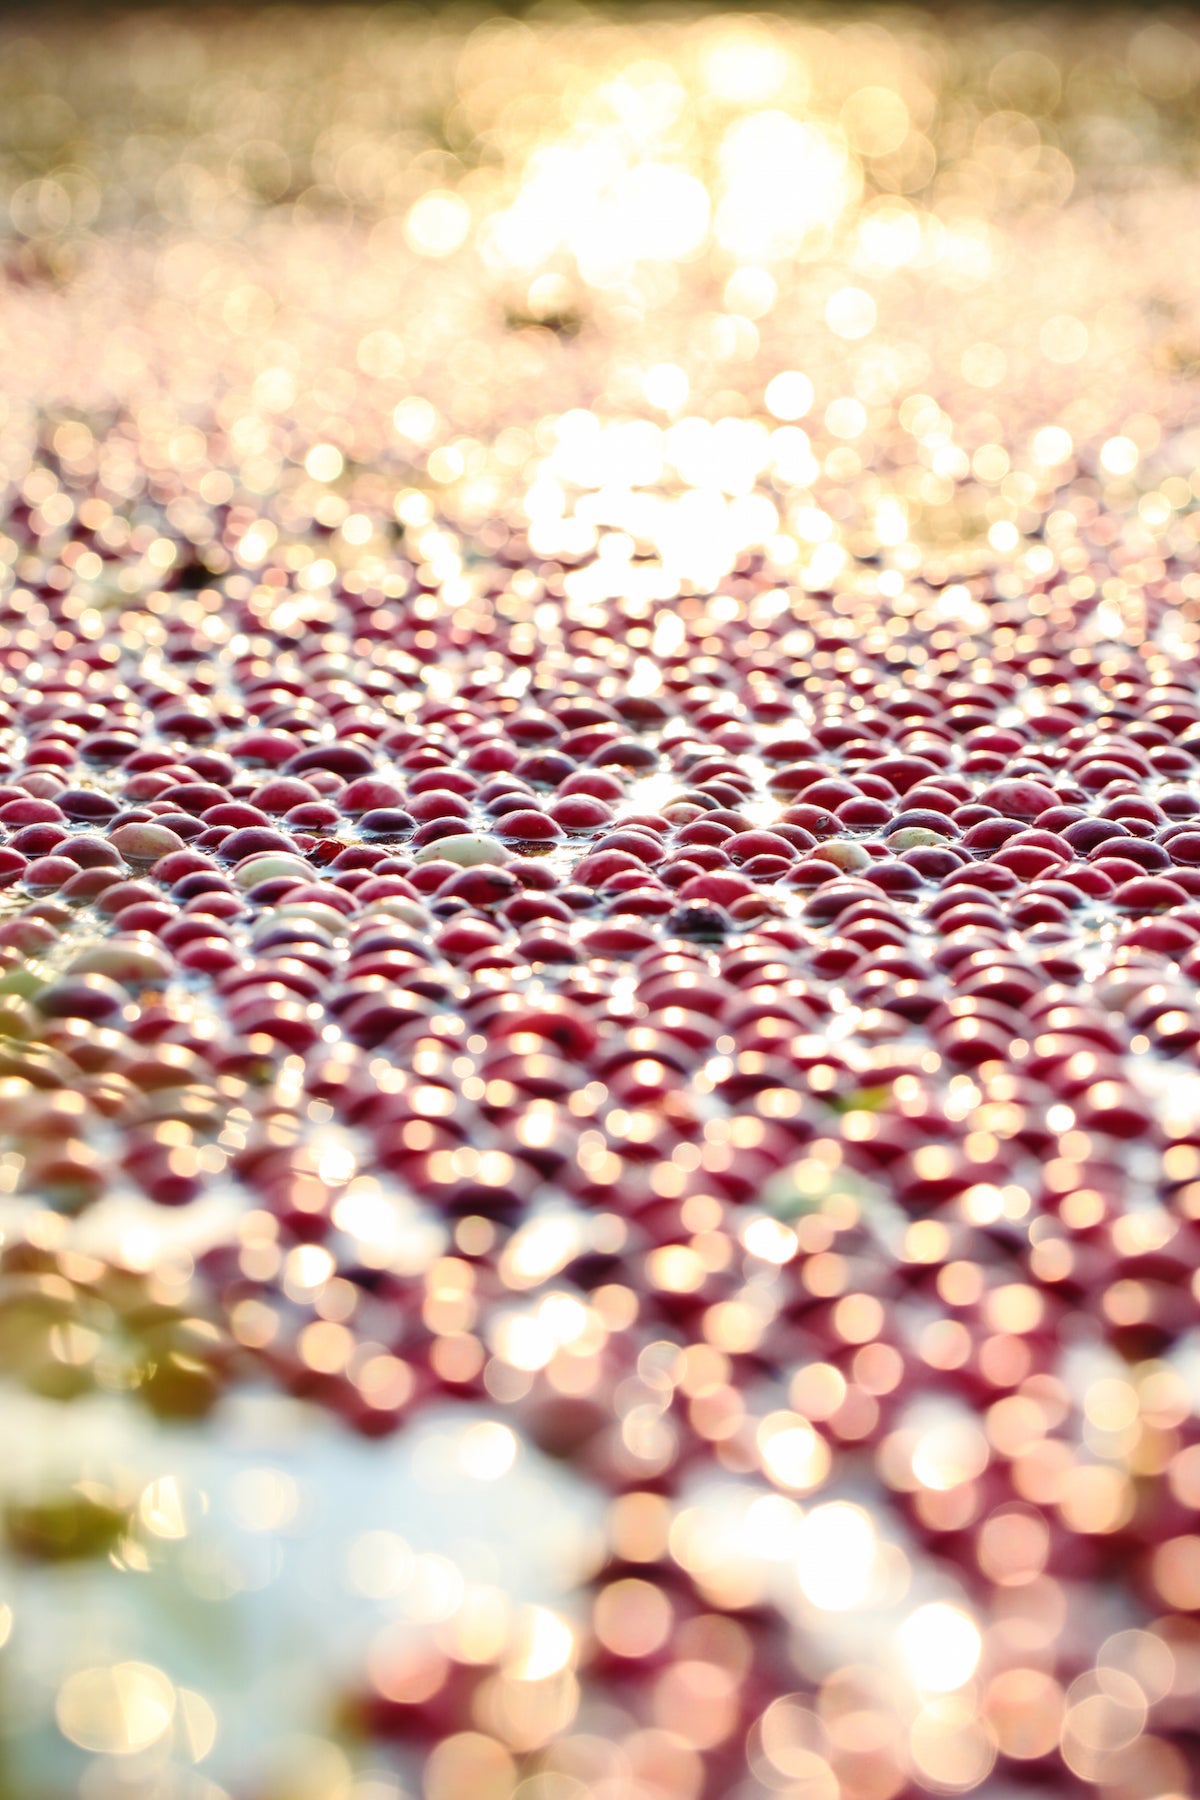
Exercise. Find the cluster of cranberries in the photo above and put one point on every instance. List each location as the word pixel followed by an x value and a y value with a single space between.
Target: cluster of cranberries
pixel 581 856
pixel 794 1037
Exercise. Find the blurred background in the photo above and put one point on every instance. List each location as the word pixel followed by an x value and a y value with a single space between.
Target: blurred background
pixel 275 284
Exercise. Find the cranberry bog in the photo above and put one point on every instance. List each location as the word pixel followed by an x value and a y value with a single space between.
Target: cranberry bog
pixel 599 905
